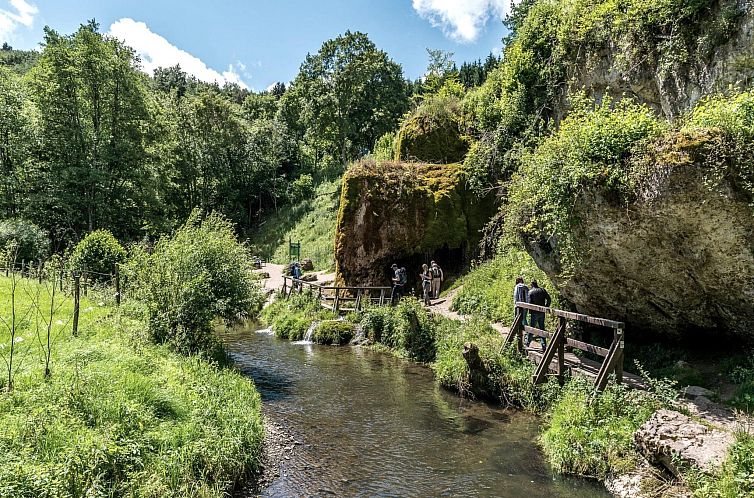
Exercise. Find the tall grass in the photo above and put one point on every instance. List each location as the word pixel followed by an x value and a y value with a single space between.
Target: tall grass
pixel 311 222
pixel 119 416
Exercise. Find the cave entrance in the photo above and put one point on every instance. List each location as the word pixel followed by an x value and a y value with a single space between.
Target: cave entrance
pixel 453 262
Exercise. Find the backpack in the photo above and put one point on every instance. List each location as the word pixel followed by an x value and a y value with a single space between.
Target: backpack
pixel 436 273
pixel 402 278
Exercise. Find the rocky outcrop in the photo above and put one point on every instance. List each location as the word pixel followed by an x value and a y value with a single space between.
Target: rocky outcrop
pixel 673 77
pixel 404 213
pixel 678 260
pixel 676 441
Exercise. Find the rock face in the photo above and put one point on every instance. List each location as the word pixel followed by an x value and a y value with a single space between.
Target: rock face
pixel 673 439
pixel 671 85
pixel 404 213
pixel 678 260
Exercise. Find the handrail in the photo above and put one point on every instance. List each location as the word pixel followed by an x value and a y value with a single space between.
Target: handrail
pixel 613 356
pixel 384 296
pixel 572 316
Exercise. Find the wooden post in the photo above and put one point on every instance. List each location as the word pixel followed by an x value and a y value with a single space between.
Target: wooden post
pixel 382 297
pixel 319 295
pixel 285 284
pixel 358 300
pixel 117 284
pixel 337 299
pixel 39 272
pixel 619 335
pixel 544 363
pixel 561 350
pixel 61 280
pixel 76 301
pixel 512 332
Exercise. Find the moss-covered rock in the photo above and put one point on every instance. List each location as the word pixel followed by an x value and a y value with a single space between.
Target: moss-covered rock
pixel 395 211
pixel 431 139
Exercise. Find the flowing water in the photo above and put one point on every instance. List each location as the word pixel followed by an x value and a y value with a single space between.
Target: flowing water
pixel 368 424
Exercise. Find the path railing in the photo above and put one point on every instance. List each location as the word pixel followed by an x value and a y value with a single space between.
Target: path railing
pixel 339 298
pixel 558 342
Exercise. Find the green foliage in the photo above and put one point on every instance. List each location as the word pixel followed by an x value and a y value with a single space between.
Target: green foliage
pixel 337 332
pixel 488 289
pixel 199 273
pixel 120 417
pixel 291 317
pixel 311 222
pixel 384 148
pixel 736 476
pixel 592 434
pixel 29 242
pixel 407 328
pixel 433 132
pixel 302 188
pixel 98 252
pixel 332 101
pixel 588 156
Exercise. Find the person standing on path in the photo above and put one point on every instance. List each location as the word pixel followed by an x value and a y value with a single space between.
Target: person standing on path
pixel 540 297
pixel 426 277
pixel 520 295
pixel 437 279
pixel 399 280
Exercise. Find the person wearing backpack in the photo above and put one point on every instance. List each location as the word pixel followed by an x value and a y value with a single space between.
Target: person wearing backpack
pixel 437 279
pixel 399 281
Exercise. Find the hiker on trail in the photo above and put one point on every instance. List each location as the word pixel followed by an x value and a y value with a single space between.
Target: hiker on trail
pixel 437 279
pixel 520 295
pixel 296 270
pixel 426 276
pixel 540 297
pixel 399 280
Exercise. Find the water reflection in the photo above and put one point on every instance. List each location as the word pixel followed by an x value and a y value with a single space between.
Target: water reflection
pixel 374 425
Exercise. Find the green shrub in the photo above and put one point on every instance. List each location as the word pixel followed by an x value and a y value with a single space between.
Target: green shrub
pixel 98 252
pixel 592 434
pixel 736 476
pixel 291 317
pixel 384 148
pixel 302 188
pixel 29 242
pixel 337 332
pixel 199 273
pixel 407 329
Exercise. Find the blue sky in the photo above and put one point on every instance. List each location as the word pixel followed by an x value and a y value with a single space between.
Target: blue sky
pixel 256 42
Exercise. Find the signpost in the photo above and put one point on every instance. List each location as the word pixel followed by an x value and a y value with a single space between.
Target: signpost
pixel 294 250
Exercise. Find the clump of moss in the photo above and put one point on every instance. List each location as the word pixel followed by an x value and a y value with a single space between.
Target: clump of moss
pixel 433 132
pixel 291 317
pixel 338 332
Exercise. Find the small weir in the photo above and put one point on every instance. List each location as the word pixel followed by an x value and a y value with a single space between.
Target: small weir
pixel 367 424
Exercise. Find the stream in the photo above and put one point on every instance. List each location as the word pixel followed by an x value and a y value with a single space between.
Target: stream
pixel 363 423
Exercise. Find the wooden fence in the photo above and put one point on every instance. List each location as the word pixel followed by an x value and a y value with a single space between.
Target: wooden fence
pixel 340 298
pixel 555 358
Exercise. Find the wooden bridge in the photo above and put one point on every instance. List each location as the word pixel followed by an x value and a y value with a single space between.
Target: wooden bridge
pixel 556 360
pixel 563 355
pixel 340 298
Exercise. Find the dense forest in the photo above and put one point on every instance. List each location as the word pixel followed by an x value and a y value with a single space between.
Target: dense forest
pixel 89 141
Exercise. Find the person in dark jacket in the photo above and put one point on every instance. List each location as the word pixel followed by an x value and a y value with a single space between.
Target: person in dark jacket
pixel 540 297
pixel 520 295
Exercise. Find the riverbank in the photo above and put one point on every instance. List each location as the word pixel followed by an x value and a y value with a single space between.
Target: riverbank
pixel 117 415
pixel 582 433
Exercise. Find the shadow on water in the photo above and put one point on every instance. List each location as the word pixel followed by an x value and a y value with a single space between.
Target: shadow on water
pixel 368 424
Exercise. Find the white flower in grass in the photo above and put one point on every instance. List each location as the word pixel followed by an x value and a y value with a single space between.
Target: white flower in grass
pixel 59 322
pixel 87 310
pixel 100 304
pixel 18 339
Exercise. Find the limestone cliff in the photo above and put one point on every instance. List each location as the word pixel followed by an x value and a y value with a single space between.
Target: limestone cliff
pixel 679 258
pixel 716 53
pixel 403 212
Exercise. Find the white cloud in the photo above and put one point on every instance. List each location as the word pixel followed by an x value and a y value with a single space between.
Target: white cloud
pixel 155 51
pixel 461 20
pixel 22 14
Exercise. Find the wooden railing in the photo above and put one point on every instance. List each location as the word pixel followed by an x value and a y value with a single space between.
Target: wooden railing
pixel 557 343
pixel 339 298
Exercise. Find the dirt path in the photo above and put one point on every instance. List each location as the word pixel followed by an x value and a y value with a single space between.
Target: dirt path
pixel 442 307
pixel 274 281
